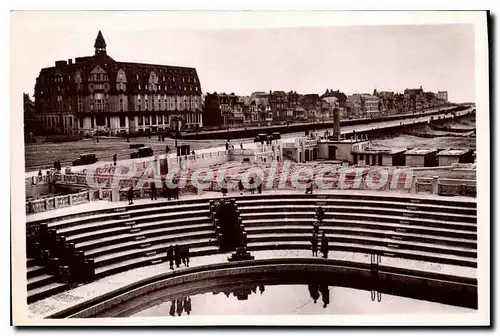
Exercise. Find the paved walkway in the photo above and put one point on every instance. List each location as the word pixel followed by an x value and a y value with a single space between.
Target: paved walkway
pixel 291 138
pixel 101 205
pixel 59 302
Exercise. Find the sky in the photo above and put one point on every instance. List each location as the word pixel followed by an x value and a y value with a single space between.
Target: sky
pixel 354 59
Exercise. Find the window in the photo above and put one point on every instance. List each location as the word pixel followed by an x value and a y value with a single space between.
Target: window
pixel 146 121
pixel 91 122
pixel 153 120
pixel 139 86
pixel 140 122
pixel 160 119
pixel 81 122
pixel 122 121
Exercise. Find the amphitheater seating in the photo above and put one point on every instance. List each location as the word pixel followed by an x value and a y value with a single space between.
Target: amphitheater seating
pixel 433 230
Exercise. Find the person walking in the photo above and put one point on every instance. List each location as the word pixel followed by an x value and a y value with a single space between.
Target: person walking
pixel 153 191
pixel 241 145
pixel 320 214
pixel 241 187
pixel 170 256
pixel 314 245
pixel 130 195
pixel 114 159
pixel 309 187
pixel 324 245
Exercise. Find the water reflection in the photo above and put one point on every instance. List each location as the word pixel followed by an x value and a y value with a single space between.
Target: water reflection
pixel 180 306
pixel 242 293
pixel 312 297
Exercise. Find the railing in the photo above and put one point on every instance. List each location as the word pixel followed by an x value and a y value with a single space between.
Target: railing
pixel 57 202
pixel 445 186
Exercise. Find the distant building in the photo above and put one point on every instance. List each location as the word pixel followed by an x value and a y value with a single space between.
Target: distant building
pixel 311 103
pixel 443 96
pixel 222 109
pixel 363 105
pixel 97 93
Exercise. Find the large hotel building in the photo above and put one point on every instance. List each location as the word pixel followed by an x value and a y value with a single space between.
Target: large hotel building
pixel 97 93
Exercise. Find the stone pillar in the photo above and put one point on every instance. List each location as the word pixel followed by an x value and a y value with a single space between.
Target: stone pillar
pixel 70 201
pixel 91 195
pixel 413 188
pixel 435 184
pixel 115 195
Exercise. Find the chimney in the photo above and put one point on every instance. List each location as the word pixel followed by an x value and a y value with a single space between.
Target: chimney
pixel 70 61
pixel 336 124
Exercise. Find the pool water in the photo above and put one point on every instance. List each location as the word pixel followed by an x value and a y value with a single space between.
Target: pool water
pixel 293 299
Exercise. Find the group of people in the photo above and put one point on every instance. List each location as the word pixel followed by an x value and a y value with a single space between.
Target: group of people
pixel 169 193
pixel 178 255
pixel 57 165
pixel 252 188
pixel 161 137
pixel 180 305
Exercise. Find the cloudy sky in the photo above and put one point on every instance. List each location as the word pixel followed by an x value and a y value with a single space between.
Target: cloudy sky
pixel 309 60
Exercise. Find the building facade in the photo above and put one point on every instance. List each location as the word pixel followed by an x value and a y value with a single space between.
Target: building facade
pixel 98 94
pixel 222 109
pixel 443 96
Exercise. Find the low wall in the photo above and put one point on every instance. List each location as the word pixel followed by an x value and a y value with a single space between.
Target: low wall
pixel 445 186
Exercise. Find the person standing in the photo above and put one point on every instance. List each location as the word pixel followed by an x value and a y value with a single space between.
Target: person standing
pixel 130 195
pixel 252 185
pixel 40 173
pixel 223 187
pixel 170 256
pixel 314 245
pixel 241 145
pixel 324 246
pixel 240 187
pixel 259 185
pixel 153 191
pixel 186 251
pixel 177 252
pixel 183 255
pixel 114 159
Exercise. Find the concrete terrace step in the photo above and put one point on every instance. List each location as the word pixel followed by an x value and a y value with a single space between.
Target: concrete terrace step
pixel 84 227
pixel 119 209
pixel 106 217
pixel 378 196
pixel 391 243
pixel 142 231
pixel 35 270
pixel 101 254
pixel 355 209
pixel 119 256
pixel 374 217
pixel 92 235
pixel 147 260
pixel 369 203
pixel 333 230
pixel 40 280
pixel 45 291
pixel 350 223
pixel 384 251
pixel 30 262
